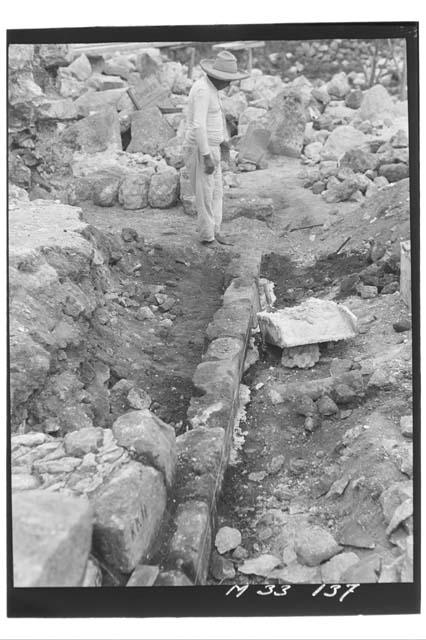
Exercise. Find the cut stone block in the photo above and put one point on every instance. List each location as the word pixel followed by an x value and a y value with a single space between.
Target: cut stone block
pixel 133 191
pixel 97 132
pixel 97 101
pixel 231 322
pixel 201 463
pixel 303 357
pixel 311 322
pixel 152 440
pixel 128 514
pixel 51 539
pixel 191 542
pixel 225 349
pixel 254 144
pixel 150 132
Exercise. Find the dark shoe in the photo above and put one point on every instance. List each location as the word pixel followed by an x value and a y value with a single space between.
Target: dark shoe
pixel 223 240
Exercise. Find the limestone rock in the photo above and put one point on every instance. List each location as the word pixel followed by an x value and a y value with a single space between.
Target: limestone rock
pixel 359 160
pixel 365 571
pixel 302 357
pixel 128 514
pixel 276 464
pixel 338 86
pixel 392 497
pixel 51 539
pixel 164 188
pixel 190 544
pixel 101 82
pixel 54 55
pixel 318 187
pixel 253 146
pixel 152 440
pixel 173 152
pixel 29 439
pixel 235 104
pixel 119 65
pixel 321 94
pixel 326 406
pixel 148 62
pixel 394 172
pixel 78 443
pixel 97 132
pixel 97 101
pixel 399 139
pixel 311 322
pixel 304 405
pixel 227 539
pixel 238 205
pixel 401 513
pixel 261 566
pixel 105 190
pixel 354 98
pixel 343 138
pixel 133 191
pixel 24 481
pixel 62 109
pixel 150 132
pixel 406 424
pixel 251 115
pixel 80 68
pixel 376 104
pixel 353 535
pixel 139 399
pixel 332 570
pixel 286 121
pixel 221 568
pixel 296 573
pixel 20 57
pixel 68 86
pixel 314 544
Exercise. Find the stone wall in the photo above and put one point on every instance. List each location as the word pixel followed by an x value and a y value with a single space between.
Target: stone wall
pixel 110 474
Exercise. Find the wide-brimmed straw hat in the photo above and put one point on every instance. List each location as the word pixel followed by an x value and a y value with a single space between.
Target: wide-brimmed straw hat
pixel 223 67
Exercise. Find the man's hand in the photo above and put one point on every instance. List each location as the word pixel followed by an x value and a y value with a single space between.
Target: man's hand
pixel 209 165
pixel 225 148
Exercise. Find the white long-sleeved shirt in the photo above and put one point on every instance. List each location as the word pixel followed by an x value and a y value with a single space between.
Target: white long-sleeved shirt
pixel 205 121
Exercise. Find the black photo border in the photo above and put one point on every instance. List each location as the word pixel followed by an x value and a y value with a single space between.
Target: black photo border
pixel 200 601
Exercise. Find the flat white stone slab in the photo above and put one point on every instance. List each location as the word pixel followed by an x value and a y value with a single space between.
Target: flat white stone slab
pixel 311 322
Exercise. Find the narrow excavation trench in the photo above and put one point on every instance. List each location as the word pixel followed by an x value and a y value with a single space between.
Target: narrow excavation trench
pixel 286 478
pixel 160 350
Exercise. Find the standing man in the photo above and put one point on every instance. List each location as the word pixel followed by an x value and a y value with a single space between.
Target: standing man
pixel 205 133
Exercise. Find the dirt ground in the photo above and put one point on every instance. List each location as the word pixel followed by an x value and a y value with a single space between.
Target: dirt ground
pixel 357 442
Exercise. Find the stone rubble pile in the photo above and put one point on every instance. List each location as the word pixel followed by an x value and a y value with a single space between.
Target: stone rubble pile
pixel 124 474
pixel 353 141
pixel 357 145
pixel 324 58
pixel 77 431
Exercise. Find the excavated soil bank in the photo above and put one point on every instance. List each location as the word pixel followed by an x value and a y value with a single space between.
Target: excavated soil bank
pixel 162 359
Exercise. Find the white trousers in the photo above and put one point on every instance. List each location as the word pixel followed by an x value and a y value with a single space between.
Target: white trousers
pixel 207 189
